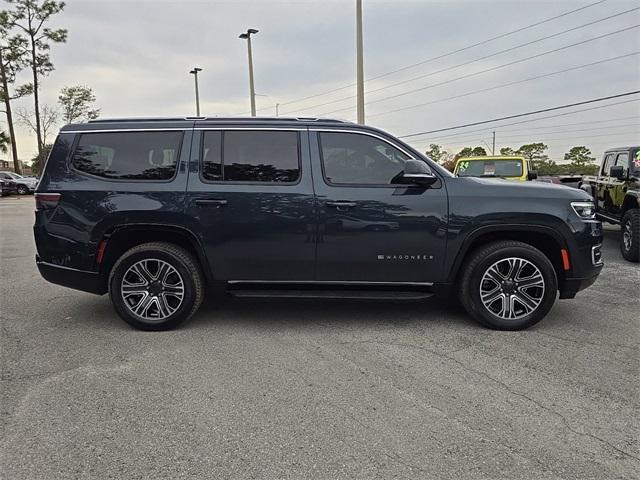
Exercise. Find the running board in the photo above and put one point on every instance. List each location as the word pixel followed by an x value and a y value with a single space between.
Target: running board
pixel 352 291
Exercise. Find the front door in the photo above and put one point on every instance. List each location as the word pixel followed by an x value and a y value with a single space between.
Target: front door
pixel 251 198
pixel 370 228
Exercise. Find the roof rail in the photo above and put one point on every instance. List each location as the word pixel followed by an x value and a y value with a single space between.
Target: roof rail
pixel 228 119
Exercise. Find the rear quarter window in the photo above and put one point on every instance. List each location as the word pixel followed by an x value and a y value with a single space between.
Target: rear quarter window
pixel 128 155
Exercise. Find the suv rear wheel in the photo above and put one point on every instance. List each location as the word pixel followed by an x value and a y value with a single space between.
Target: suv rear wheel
pixel 508 285
pixel 630 239
pixel 156 286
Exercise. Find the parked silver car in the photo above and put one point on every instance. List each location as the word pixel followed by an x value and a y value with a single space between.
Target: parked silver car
pixel 24 185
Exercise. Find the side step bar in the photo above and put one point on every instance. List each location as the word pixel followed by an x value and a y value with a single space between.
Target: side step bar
pixel 331 290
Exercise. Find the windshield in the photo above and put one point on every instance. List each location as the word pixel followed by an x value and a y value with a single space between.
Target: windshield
pixel 490 168
pixel 14 175
pixel 635 162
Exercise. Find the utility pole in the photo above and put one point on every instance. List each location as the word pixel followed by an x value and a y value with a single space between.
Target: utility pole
pixel 493 149
pixel 252 91
pixel 194 72
pixel 277 108
pixel 359 64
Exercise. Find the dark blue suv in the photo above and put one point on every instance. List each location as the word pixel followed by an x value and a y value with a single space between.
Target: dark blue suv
pixel 158 211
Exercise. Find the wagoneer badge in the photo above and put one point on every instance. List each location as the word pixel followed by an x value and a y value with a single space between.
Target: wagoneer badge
pixel 405 257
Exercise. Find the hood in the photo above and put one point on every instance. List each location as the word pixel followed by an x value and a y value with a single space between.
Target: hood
pixel 508 188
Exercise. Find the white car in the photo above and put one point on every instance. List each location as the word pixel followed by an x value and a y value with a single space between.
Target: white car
pixel 24 185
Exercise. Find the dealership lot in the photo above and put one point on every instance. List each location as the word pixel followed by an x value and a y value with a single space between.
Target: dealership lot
pixel 310 389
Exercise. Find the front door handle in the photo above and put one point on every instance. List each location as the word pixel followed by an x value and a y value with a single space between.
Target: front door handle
pixel 211 202
pixel 341 205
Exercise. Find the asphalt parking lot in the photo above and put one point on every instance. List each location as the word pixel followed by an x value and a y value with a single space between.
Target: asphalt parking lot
pixel 308 389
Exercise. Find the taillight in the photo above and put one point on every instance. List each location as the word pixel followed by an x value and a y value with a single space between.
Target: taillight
pixel 46 201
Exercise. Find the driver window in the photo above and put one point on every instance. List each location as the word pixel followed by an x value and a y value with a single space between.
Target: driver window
pixel 355 159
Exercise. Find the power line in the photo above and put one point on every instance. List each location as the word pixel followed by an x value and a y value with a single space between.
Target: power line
pixel 449 138
pixel 508 84
pixel 497 67
pixel 538 134
pixel 444 55
pixel 569 105
pixel 537 119
pixel 419 77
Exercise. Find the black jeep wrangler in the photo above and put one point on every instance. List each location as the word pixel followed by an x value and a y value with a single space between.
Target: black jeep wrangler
pixel 616 189
pixel 156 212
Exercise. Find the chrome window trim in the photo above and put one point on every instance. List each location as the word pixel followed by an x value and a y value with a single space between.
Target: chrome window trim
pixel 329 282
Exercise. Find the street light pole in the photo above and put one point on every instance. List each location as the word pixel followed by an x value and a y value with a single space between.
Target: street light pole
pixel 359 64
pixel 252 92
pixel 194 72
pixel 493 150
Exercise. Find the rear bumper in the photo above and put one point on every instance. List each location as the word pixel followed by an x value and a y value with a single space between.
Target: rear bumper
pixel 82 280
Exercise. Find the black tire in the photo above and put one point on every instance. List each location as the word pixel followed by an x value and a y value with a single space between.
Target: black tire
pixel 187 271
pixel 22 190
pixel 630 235
pixel 487 256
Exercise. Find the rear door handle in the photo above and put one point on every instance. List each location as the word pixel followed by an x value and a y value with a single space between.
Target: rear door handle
pixel 341 204
pixel 211 202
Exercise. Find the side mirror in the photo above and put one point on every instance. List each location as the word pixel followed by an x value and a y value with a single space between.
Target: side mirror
pixel 532 175
pixel 617 171
pixel 418 173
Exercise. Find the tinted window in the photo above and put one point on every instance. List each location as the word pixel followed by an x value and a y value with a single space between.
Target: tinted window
pixel 128 155
pixel 212 156
pixel 250 156
pixel 351 158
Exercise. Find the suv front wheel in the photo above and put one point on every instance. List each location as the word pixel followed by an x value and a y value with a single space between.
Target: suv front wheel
pixel 156 286
pixel 508 285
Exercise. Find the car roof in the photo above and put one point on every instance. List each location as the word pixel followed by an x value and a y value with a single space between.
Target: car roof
pixel 188 122
pixel 615 149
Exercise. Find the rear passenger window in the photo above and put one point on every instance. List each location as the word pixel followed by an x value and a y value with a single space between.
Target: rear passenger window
pixel 128 155
pixel 251 156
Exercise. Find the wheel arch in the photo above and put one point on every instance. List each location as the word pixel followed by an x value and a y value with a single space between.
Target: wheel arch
pixel 120 239
pixel 631 201
pixel 546 239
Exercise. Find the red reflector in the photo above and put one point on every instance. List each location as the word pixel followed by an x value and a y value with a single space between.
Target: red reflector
pixel 100 252
pixel 565 259
pixel 46 200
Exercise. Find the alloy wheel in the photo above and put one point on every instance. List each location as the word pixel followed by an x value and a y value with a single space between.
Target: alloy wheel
pixel 152 289
pixel 512 288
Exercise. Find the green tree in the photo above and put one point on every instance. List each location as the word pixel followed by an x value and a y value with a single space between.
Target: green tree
pixel 437 153
pixel 76 103
pixel 580 161
pixel 534 152
pixel 471 152
pixel 39 160
pixel 4 142
pixel 31 16
pixel 508 152
pixel 13 58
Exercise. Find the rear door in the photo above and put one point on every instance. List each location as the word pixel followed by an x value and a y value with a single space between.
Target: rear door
pixel 250 196
pixel 371 229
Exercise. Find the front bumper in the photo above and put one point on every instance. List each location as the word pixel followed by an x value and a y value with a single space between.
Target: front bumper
pixel 586 259
pixel 82 280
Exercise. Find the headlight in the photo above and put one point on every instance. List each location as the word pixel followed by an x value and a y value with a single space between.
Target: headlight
pixel 585 210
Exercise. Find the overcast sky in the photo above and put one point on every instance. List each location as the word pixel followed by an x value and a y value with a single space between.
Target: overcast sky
pixel 136 55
